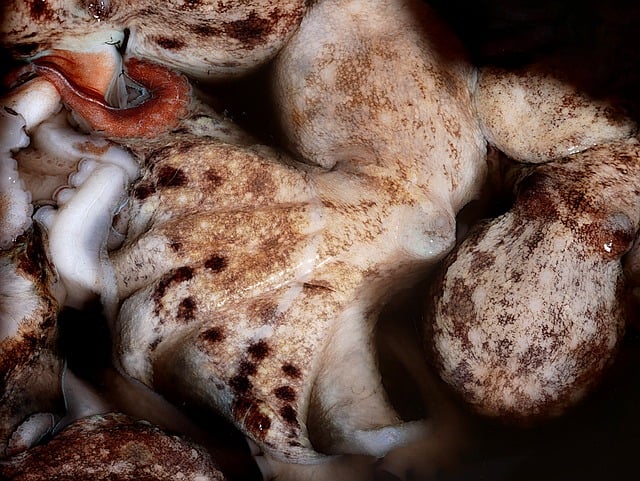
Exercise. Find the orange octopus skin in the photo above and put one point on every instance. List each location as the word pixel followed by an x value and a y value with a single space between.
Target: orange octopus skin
pixel 170 96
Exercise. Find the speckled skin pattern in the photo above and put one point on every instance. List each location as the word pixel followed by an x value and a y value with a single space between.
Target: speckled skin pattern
pixel 30 362
pixel 277 334
pixel 208 39
pixel 530 308
pixel 116 448
pixel 534 115
pixel 248 281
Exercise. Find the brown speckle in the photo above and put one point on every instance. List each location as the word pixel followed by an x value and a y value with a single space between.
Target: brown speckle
pixel 461 310
pixel 482 262
pixel 171 177
pixel 170 43
pixel 212 336
pixel 462 374
pixel 259 350
pixel 143 190
pixel 250 30
pixel 247 368
pixel 289 415
pixel 213 178
pixel 240 384
pixel 187 309
pixel 216 263
pixel 291 371
pixel 205 30
pixel 40 10
pixel 247 410
pixel 92 148
pixel 176 276
pixel 285 393
pixel 534 199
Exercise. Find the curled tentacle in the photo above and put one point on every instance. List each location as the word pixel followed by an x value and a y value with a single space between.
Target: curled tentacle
pixel 169 96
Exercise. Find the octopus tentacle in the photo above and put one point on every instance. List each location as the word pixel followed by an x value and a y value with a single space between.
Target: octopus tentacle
pixel 168 102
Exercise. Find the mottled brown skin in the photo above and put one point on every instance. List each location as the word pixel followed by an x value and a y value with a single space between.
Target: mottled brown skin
pixel 534 114
pixel 112 447
pixel 208 39
pixel 529 309
pixel 30 364
pixel 251 282
pixel 205 320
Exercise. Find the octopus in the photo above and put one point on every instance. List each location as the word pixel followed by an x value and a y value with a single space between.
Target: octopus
pixel 247 279
pixel 514 325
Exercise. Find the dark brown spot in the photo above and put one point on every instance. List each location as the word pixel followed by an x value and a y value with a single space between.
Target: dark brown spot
pixel 285 393
pixel 213 335
pixel 171 177
pixel 247 411
pixel 516 275
pixel 259 350
pixel 176 276
pixel 240 384
pixel 216 263
pixel 289 415
pixel 506 319
pixel 143 190
pixel 264 309
pixel 205 30
pixel 187 309
pixel 250 30
pixel 247 368
pixel 213 178
pixel 504 348
pixel 460 311
pixel 169 43
pixel 482 261
pixel 291 371
pixel 40 10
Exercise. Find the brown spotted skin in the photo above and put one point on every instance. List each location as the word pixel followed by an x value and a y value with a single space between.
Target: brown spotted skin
pixel 208 39
pixel 30 364
pixel 251 282
pixel 112 447
pixel 529 309
pixel 241 330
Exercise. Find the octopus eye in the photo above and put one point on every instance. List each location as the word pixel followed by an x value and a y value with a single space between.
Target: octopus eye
pixel 613 237
pixel 98 9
